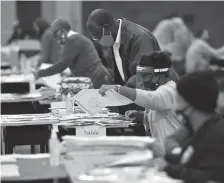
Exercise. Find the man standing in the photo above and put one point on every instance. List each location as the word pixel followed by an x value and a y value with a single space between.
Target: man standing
pixel 79 54
pixel 125 40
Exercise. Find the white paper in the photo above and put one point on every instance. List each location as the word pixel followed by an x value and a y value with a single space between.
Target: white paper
pixel 9 170
pixel 32 156
pixel 51 81
pixel 92 102
pixel 7 159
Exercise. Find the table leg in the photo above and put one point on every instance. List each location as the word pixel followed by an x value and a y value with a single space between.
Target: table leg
pixel 2 140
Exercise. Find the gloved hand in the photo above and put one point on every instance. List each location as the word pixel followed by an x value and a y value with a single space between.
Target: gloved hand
pixel 136 116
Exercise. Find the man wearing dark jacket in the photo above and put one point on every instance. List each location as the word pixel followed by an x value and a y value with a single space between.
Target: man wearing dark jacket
pixel 79 55
pixel 125 40
pixel 202 159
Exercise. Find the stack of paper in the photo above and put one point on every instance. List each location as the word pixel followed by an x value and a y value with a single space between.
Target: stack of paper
pixel 29 119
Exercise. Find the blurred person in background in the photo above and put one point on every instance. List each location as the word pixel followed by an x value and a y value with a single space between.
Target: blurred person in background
pixel 159 117
pixel 50 49
pixel 200 53
pixel 174 36
pixel 19 32
pixel 79 55
pixel 201 159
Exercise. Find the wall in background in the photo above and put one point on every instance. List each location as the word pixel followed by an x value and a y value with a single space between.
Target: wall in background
pixel 8 16
pixel 209 15
pixel 28 11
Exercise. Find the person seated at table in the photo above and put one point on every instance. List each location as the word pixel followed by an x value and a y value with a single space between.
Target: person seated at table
pixel 201 160
pixel 50 50
pixel 79 55
pixel 160 119
pixel 200 53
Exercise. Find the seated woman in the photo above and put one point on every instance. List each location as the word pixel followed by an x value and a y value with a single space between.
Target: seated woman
pixel 160 119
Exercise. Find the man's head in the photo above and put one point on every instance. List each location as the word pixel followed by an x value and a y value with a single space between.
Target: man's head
pixel 60 29
pixel 189 20
pixel 102 27
pixel 154 68
pixel 202 34
pixel 197 95
pixel 40 25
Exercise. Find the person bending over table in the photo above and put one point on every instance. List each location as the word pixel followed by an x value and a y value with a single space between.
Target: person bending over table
pixel 200 53
pixel 160 119
pixel 78 54
pixel 122 43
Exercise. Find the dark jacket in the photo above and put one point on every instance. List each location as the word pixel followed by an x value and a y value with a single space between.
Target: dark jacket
pixel 207 160
pixel 135 41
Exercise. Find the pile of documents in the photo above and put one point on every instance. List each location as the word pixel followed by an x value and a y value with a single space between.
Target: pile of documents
pixel 12 97
pixel 105 118
pixel 28 119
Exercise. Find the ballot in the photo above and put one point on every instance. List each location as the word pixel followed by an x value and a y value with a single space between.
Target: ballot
pixel 51 81
pixel 92 102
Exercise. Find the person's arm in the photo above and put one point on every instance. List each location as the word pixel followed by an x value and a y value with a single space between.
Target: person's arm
pixel 214 53
pixel 140 45
pixel 69 53
pixel 161 99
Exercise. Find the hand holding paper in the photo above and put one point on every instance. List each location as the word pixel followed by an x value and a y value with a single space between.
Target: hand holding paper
pixel 92 102
pixel 104 88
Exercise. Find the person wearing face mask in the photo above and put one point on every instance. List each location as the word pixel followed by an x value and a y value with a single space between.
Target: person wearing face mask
pixel 156 96
pixel 201 159
pixel 200 53
pixel 79 55
pixel 125 40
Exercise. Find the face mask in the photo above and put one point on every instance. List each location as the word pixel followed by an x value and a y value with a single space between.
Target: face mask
pixel 60 37
pixel 106 40
pixel 146 79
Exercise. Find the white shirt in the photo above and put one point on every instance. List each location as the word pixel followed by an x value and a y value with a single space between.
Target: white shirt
pixel 161 117
pixel 199 55
pixel 174 36
pixel 116 47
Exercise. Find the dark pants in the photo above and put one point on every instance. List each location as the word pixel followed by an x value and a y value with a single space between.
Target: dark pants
pixel 100 75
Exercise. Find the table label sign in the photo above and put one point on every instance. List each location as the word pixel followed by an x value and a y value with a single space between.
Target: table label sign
pixel 90 131
pixel 58 105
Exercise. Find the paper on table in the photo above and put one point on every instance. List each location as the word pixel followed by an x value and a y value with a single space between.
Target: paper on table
pixel 9 170
pixel 92 102
pixel 7 159
pixel 51 81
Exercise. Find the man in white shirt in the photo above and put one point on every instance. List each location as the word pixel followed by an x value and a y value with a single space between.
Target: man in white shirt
pixel 174 36
pixel 200 53
pixel 161 120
